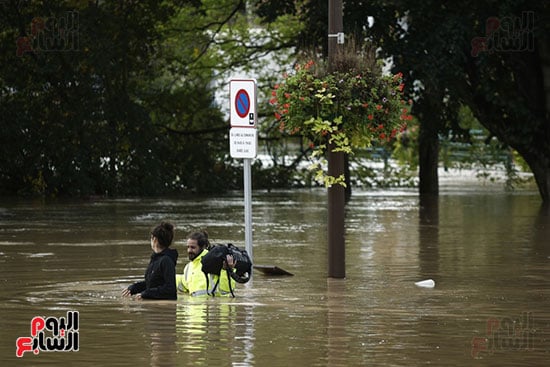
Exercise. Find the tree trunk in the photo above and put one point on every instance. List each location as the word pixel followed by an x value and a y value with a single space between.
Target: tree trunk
pixel 542 177
pixel 428 236
pixel 540 166
pixel 428 158
pixel 524 125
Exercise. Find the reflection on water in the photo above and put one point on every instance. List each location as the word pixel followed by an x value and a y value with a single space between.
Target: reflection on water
pixel 160 327
pixel 428 236
pixel 487 251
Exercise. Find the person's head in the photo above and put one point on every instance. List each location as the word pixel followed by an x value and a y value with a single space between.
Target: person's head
pixel 162 235
pixel 196 243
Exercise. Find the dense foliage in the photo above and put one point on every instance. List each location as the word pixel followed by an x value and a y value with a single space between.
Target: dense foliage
pixel 122 97
pixel 489 56
pixel 118 98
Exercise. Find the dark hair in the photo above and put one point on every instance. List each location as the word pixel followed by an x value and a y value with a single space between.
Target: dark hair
pixel 201 237
pixel 164 233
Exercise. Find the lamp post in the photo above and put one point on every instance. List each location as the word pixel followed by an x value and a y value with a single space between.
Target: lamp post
pixel 336 192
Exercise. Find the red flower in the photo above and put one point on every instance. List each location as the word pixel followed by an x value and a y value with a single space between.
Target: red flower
pixel 278 115
pixel 287 95
pixel 365 105
pixel 276 86
pixel 286 105
pixel 311 145
pixel 398 76
pixel 370 117
pixel 382 136
pixel 380 127
pixel 378 107
pixel 273 100
pixel 273 93
pixel 401 86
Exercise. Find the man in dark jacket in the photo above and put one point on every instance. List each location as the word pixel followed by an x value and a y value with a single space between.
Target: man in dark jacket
pixel 160 276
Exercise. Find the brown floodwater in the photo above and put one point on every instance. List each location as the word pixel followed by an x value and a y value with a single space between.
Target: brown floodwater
pixel 488 252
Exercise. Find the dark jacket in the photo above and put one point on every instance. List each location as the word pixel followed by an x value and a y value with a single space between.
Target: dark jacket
pixel 160 277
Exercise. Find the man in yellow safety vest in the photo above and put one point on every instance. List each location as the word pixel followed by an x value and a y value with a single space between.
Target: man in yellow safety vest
pixel 193 280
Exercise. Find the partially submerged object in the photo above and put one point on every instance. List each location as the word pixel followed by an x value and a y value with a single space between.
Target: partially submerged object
pixel 428 283
pixel 271 270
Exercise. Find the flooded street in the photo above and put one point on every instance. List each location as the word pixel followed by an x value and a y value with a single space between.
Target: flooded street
pixel 488 252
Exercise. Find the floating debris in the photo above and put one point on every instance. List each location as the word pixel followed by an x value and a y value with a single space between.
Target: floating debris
pixel 428 283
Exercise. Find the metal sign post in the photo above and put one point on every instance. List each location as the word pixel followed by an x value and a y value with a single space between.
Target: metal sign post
pixel 243 142
pixel 248 206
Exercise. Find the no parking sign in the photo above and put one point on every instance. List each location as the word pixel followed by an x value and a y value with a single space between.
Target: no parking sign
pixel 242 96
pixel 243 138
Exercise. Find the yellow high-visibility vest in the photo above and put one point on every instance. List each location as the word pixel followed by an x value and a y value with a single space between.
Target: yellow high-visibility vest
pixel 193 280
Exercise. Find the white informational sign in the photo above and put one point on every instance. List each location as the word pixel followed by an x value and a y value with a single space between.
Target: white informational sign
pixel 242 99
pixel 243 142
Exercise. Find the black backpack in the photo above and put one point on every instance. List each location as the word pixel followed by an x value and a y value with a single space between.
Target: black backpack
pixel 212 263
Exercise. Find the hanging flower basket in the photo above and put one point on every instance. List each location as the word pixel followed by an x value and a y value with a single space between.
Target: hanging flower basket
pixel 343 110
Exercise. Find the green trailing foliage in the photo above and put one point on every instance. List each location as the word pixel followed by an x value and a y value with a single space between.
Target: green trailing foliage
pixel 340 110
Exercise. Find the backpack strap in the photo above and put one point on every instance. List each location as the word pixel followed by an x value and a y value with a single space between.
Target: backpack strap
pixel 207 282
pixel 229 281
pixel 211 292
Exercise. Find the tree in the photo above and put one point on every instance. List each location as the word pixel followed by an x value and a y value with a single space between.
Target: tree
pixel 118 98
pixel 491 57
pixel 72 98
